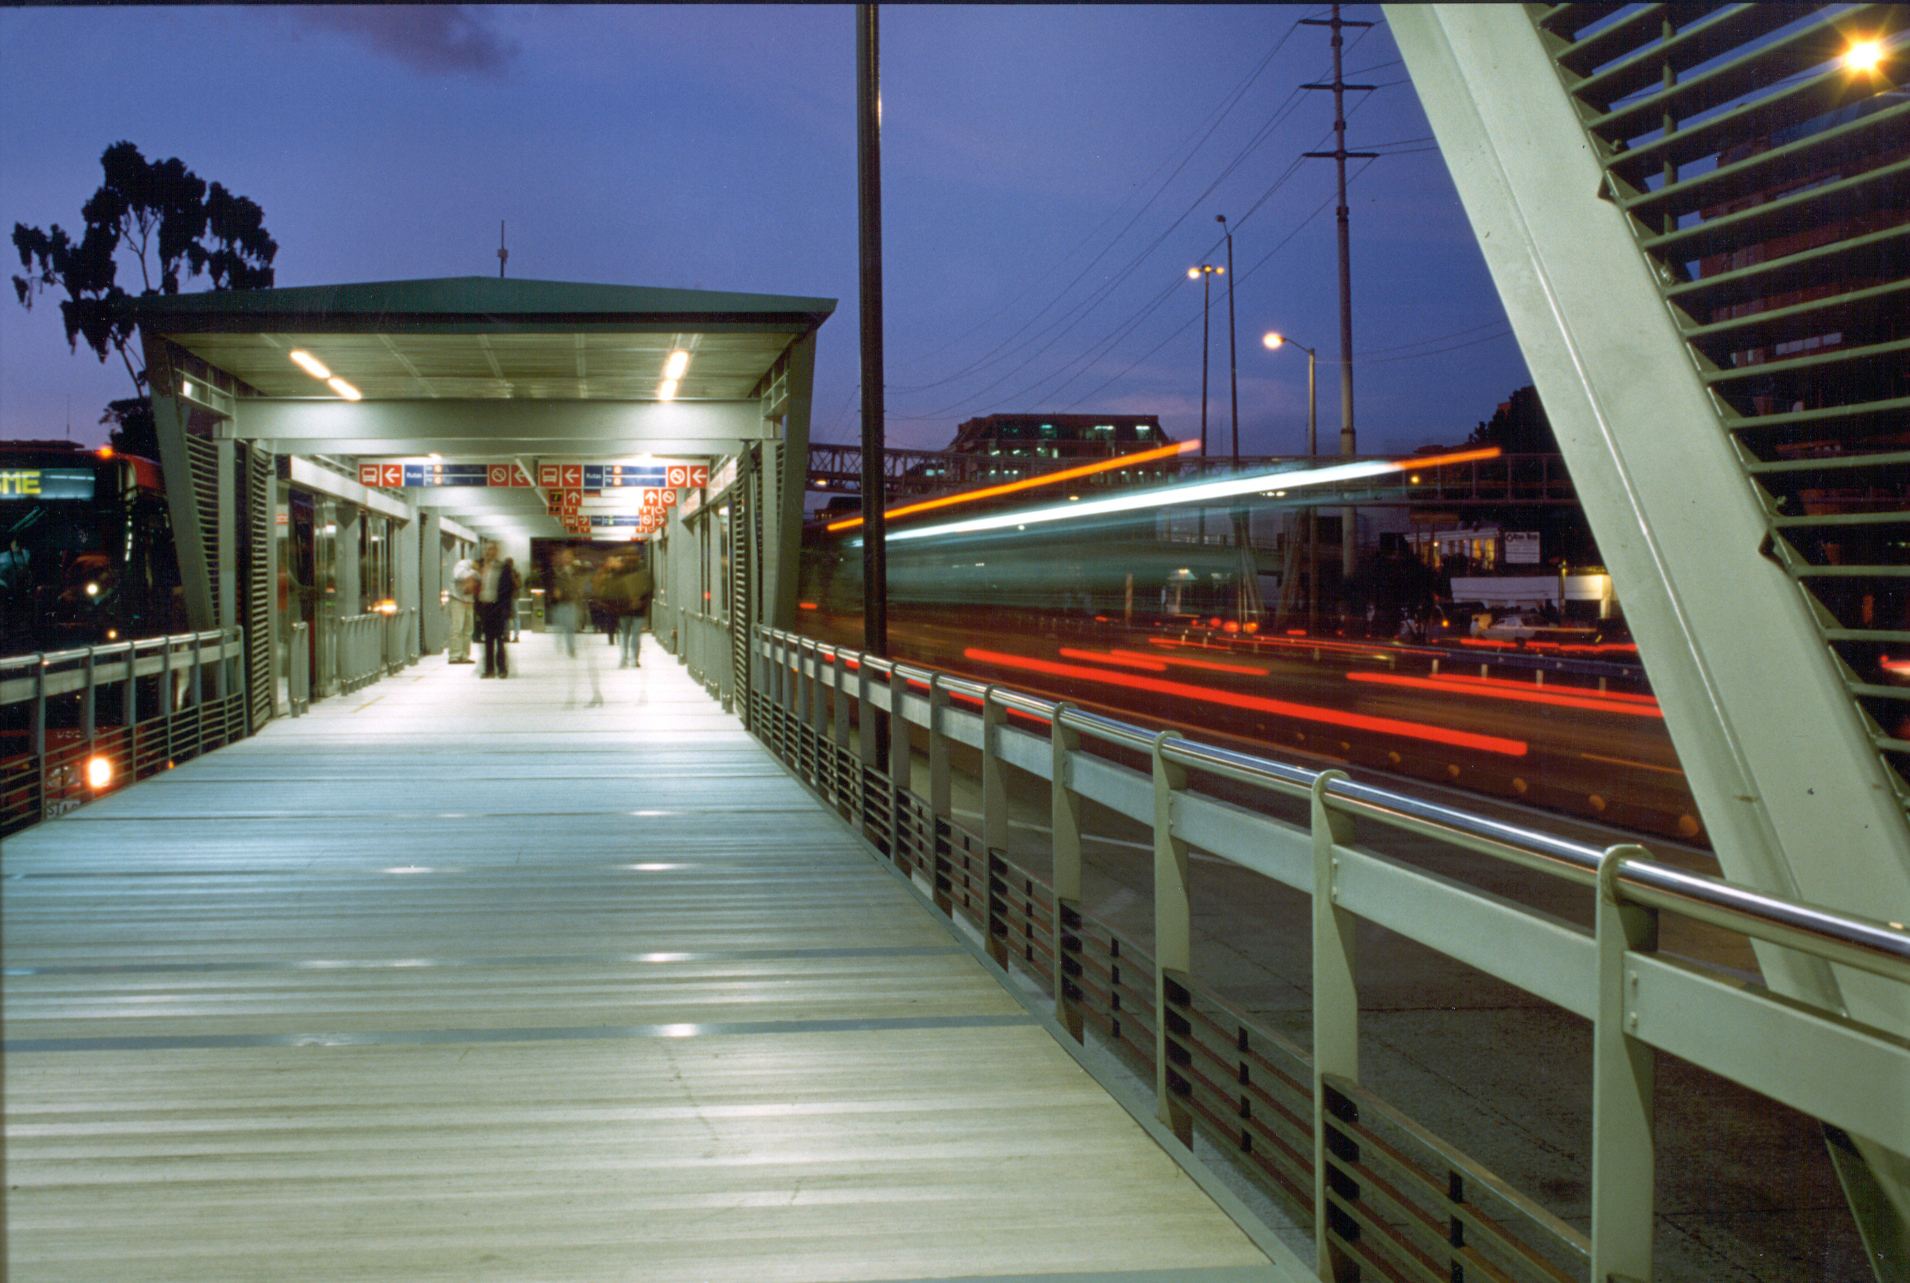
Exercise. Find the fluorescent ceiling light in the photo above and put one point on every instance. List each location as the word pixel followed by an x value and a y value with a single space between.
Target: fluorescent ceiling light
pixel 667 391
pixel 310 364
pixel 344 389
pixel 679 361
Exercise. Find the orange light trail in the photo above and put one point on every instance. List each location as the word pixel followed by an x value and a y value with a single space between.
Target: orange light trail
pixel 1518 694
pixel 1026 483
pixel 1440 460
pixel 1256 703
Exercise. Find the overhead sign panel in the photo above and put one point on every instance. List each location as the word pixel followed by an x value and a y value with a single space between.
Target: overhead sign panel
pixel 395 475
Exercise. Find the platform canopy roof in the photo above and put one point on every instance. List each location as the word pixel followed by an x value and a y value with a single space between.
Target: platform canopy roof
pixel 483 370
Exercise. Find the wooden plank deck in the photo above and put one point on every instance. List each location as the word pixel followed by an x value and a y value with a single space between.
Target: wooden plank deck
pixel 448 980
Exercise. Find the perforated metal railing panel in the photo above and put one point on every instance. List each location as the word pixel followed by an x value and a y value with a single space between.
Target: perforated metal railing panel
pixel 1764 167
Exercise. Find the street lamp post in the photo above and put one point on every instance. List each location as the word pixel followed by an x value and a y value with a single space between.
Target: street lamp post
pixel 1205 274
pixel 1273 342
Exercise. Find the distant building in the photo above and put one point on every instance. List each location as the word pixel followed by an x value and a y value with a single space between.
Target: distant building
pixel 1059 436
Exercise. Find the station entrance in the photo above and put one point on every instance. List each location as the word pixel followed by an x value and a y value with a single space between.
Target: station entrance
pixel 331 451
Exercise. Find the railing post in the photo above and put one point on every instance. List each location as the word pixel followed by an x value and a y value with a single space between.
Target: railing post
pixel 1173 936
pixel 1624 1074
pixel 87 703
pixel 846 792
pixel 1064 810
pixel 941 788
pixel 994 823
pixel 1336 1036
pixel 37 735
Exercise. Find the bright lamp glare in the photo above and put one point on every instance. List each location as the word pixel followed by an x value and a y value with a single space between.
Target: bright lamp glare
pixel 310 364
pixel 344 389
pixel 667 391
pixel 1193 273
pixel 1273 341
pixel 99 772
pixel 1865 55
pixel 679 362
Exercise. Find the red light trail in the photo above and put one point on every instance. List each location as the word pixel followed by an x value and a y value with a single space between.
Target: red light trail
pixel 1257 703
pixel 1512 691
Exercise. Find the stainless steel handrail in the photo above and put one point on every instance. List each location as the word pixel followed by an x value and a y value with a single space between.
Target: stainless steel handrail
pixel 1878 947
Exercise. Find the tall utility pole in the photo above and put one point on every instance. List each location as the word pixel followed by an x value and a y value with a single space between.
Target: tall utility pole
pixel 1233 364
pixel 1339 154
pixel 875 569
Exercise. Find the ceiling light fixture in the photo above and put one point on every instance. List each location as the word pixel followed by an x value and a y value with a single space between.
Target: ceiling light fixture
pixel 310 364
pixel 667 391
pixel 679 361
pixel 344 389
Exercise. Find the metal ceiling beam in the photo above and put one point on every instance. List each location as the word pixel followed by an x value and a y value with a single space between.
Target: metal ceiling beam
pixel 499 426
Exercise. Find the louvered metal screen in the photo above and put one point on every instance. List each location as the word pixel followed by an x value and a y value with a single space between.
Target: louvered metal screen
pixel 257 486
pixel 1766 176
pixel 203 458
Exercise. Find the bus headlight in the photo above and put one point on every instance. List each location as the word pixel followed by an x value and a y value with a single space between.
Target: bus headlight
pixel 99 772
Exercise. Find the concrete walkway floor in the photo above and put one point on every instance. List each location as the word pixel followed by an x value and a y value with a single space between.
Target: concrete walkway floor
pixel 448 980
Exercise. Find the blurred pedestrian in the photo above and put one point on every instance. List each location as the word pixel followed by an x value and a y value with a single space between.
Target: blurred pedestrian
pixel 569 588
pixel 460 607
pixel 510 567
pixel 629 593
pixel 497 588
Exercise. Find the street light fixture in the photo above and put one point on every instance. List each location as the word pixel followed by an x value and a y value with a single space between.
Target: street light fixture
pixel 1273 341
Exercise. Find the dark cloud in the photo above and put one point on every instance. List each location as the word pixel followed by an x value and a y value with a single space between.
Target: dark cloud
pixel 430 38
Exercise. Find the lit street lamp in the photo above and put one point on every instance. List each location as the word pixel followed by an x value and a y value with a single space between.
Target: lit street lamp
pixel 1273 342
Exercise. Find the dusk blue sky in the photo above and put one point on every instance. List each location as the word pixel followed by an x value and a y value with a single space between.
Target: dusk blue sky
pixel 1050 173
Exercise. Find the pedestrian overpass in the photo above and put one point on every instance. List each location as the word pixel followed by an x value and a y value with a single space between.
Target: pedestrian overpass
pixel 1696 218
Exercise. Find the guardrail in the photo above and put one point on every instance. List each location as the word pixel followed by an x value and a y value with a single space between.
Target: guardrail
pixel 299 670
pixel 81 723
pixel 375 645
pixel 1383 1192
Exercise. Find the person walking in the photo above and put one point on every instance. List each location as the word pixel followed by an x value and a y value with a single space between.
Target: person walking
pixel 497 588
pixel 569 588
pixel 460 607
pixel 629 592
pixel 510 568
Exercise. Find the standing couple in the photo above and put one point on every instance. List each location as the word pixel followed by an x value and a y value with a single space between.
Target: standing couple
pixel 487 589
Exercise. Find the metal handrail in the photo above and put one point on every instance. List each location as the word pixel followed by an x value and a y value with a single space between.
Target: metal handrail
pixel 1611 975
pixel 1838 936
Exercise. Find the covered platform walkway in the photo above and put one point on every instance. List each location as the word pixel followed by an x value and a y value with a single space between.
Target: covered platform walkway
pixel 466 979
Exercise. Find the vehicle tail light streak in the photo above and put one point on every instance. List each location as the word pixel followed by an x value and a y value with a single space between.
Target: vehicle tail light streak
pixel 1514 691
pixel 1256 703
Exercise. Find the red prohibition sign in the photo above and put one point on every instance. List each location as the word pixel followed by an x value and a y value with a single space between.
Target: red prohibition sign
pixel 500 474
pixel 679 476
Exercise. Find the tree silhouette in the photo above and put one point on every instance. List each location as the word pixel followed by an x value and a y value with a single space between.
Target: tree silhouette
pixel 1518 426
pixel 169 221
